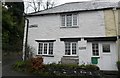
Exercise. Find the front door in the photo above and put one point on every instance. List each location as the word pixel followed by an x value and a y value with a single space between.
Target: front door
pixel 106 59
pixel 104 55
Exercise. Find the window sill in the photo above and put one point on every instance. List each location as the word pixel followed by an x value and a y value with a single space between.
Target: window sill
pixel 70 56
pixel 69 27
pixel 47 55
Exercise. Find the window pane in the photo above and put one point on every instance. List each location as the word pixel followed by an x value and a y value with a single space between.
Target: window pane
pixel 74 19
pixel 40 48
pixel 94 53
pixel 95 49
pixel 45 48
pixel 69 20
pixel 63 20
pixel 73 48
pixel 106 48
pixel 67 48
pixel 50 48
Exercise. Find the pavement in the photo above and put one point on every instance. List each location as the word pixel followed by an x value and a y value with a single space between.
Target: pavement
pixel 8 61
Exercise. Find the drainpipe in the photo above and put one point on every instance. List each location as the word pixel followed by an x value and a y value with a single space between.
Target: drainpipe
pixel 25 39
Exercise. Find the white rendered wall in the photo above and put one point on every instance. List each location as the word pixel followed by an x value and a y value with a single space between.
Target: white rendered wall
pixel 91 24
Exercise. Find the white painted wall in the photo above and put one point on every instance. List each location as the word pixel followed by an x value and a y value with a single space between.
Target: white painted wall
pixel 91 24
pixel 49 26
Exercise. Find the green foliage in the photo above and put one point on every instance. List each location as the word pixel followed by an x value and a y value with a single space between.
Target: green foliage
pixel 118 62
pixel 73 66
pixel 20 66
pixel 82 66
pixel 12 26
pixel 35 66
pixel 61 66
pixel 91 67
pixel 118 66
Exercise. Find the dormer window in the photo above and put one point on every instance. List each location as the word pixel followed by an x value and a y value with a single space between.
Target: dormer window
pixel 69 20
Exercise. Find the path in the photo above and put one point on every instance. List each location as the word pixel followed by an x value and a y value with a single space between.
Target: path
pixel 8 61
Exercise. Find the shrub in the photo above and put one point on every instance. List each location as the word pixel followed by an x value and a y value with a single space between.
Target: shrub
pixel 35 64
pixel 20 66
pixel 118 65
pixel 91 67
pixel 82 66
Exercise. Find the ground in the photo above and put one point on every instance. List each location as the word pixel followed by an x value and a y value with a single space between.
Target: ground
pixel 8 61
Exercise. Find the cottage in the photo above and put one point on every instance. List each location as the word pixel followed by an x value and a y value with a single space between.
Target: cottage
pixel 77 33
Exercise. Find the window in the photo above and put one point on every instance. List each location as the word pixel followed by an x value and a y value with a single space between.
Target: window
pixel 69 20
pixel 63 20
pixel 70 48
pixel 50 48
pixel 106 48
pixel 40 48
pixel 45 48
pixel 75 19
pixel 95 49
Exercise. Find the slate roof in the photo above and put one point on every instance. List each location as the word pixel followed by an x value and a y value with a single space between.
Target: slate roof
pixel 77 6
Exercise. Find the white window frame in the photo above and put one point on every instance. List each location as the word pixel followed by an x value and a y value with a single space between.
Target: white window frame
pixel 66 20
pixel 106 52
pixel 43 48
pixel 71 49
pixel 97 49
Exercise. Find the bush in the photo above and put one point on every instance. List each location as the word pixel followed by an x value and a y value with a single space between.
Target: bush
pixel 91 67
pixel 35 64
pixel 118 65
pixel 20 66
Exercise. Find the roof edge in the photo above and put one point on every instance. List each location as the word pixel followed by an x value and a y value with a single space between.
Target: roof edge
pixel 73 11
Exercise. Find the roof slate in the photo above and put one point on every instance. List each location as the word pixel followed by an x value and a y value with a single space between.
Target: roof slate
pixel 78 6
